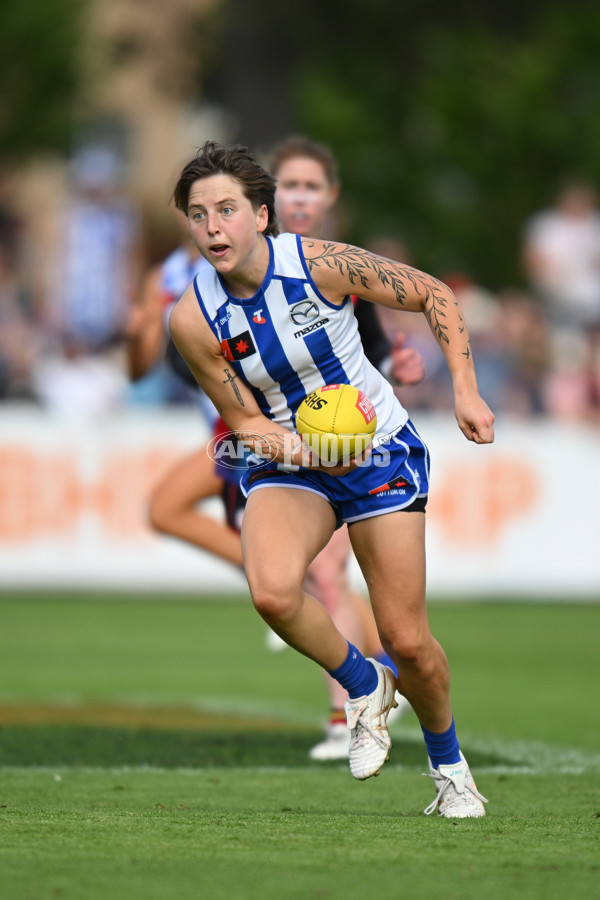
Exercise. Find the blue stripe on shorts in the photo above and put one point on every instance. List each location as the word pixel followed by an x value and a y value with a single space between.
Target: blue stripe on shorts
pixel 395 476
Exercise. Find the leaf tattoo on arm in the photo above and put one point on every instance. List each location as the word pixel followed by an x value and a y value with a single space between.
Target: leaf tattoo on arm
pixel 360 267
pixel 365 269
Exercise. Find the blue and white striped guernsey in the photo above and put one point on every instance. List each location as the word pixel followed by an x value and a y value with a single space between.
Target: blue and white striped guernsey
pixel 288 340
pixel 179 270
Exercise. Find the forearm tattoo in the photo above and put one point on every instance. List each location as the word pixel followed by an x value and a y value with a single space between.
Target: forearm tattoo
pixel 287 448
pixel 231 379
pixel 363 268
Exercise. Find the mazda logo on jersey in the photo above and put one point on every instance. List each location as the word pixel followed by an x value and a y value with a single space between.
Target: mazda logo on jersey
pixel 239 347
pixel 304 312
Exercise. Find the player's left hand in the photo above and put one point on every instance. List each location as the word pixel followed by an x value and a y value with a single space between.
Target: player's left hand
pixel 475 418
pixel 407 363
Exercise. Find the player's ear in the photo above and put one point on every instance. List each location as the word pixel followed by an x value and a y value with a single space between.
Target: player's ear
pixel 262 218
pixel 334 193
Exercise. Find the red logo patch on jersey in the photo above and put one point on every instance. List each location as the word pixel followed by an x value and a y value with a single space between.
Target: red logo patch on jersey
pixel 389 486
pixel 239 347
pixel 258 317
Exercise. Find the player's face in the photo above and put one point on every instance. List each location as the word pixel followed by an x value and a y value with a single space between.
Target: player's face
pixel 303 197
pixel 225 226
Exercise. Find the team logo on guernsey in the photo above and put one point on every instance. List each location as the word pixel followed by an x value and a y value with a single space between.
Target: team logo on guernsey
pixel 390 486
pixel 304 312
pixel 239 347
pixel 258 317
pixel 310 328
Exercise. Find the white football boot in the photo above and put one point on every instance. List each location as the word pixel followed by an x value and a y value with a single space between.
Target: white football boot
pixel 402 707
pixel 335 745
pixel 456 794
pixel 367 720
pixel 337 737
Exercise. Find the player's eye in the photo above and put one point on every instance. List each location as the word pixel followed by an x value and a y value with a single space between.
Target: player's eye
pixel 227 210
pixel 197 216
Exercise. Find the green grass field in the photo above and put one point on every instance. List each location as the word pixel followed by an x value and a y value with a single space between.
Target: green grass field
pixel 152 748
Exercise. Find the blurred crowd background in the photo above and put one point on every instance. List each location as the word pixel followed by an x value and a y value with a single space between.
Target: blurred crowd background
pixel 467 139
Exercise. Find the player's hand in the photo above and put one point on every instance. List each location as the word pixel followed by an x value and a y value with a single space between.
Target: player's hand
pixel 475 418
pixel 343 468
pixel 407 363
pixel 338 470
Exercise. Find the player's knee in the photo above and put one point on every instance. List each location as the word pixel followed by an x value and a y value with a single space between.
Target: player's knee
pixel 410 649
pixel 421 659
pixel 272 605
pixel 275 598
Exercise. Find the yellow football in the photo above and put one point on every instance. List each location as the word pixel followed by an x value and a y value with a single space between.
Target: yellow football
pixel 337 422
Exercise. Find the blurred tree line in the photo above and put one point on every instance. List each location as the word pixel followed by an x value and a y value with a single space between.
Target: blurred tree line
pixel 452 122
pixel 40 75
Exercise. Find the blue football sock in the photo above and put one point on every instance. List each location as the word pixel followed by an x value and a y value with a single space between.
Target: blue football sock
pixel 385 660
pixel 356 674
pixel 443 749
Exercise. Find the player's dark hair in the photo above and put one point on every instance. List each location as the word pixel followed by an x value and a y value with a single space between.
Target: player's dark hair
pixel 298 146
pixel 257 184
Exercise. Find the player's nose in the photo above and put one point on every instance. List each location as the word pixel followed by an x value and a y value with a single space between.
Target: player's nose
pixel 212 223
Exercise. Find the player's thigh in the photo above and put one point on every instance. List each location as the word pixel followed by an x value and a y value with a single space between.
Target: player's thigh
pixel 390 550
pixel 330 565
pixel 327 576
pixel 282 532
pixel 336 553
pixel 188 481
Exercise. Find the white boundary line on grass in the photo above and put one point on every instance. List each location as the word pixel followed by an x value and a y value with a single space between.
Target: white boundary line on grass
pixel 60 772
pixel 519 758
pixel 522 757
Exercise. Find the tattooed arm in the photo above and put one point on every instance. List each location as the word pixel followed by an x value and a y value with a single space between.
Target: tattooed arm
pixel 340 269
pixel 231 396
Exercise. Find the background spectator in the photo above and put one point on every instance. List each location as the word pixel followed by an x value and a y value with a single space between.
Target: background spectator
pixel 561 254
pixel 18 336
pixel 91 274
